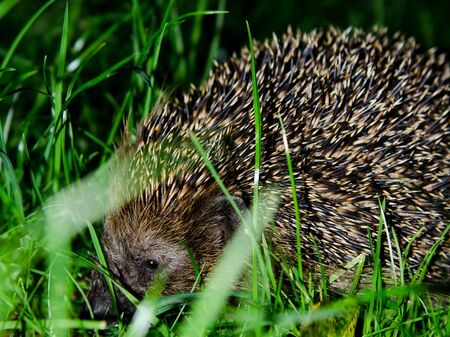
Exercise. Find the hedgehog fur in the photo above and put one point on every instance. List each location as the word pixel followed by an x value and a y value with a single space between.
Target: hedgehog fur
pixel 366 116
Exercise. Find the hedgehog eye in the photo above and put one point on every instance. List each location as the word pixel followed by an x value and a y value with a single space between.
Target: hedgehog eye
pixel 151 264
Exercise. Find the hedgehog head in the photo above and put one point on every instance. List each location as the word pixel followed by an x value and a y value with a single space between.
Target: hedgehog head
pixel 163 249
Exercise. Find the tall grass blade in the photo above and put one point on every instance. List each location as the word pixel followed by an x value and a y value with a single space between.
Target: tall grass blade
pixel 226 273
pixel 214 46
pixel 10 178
pixel 22 33
pixel 258 152
pixel 296 208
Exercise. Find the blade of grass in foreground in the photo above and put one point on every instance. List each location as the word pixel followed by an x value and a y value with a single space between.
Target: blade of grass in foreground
pixel 142 320
pixel 211 168
pixel 63 324
pixel 65 214
pixel 103 263
pixel 388 238
pixel 421 272
pixel 234 258
pixel 56 284
pixel 374 310
pixel 258 153
pixel 343 306
pixel 296 209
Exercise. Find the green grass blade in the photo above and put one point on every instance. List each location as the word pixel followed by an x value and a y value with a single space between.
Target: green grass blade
pixel 22 33
pixel 146 48
pixel 104 36
pixel 89 84
pixel 214 46
pixel 258 122
pixel 10 177
pixel 142 320
pixel 389 242
pixel 106 147
pixel 6 6
pixel 195 34
pixel 60 130
pixel 295 201
pixel 102 260
pixel 372 313
pixel 80 67
pixel 421 272
pixel 179 46
pixel 118 119
pixel 32 175
pixel 191 14
pixel 214 173
pixel 258 151
pixel 138 26
pixel 234 258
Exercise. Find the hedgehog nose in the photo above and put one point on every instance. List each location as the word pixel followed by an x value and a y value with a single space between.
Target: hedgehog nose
pixel 99 299
pixel 101 310
pixel 98 308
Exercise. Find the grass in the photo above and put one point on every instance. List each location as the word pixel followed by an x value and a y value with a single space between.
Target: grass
pixel 63 109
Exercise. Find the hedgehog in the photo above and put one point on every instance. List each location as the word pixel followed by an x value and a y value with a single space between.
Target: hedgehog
pixel 366 116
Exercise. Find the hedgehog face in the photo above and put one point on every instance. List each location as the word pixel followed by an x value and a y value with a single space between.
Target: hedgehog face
pixel 147 251
pixel 139 259
pixel 146 261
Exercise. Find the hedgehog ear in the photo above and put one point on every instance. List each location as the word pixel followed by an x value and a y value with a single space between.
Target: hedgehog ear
pixel 224 217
